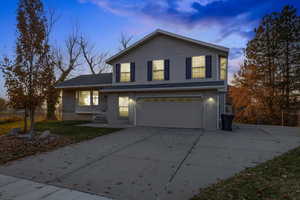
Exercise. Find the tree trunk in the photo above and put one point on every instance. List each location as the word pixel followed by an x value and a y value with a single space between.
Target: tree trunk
pixel 32 115
pixel 51 108
pixel 52 100
pixel 25 120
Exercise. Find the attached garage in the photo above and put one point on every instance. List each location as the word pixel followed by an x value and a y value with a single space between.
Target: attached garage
pixel 184 112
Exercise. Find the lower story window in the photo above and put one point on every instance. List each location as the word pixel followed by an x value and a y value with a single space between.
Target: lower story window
pixel 95 97
pixel 88 98
pixel 123 106
pixel 84 98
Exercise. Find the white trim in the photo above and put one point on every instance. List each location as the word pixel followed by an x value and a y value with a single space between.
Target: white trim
pixel 218 111
pixel 170 95
pixel 159 31
pixel 162 89
pixel 83 86
pixel 134 107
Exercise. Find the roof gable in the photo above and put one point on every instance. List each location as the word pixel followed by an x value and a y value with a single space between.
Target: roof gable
pixel 173 35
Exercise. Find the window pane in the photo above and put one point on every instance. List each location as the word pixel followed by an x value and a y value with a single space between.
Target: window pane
pixel 158 65
pixel 223 74
pixel 125 72
pixel 123 101
pixel 125 77
pixel 123 111
pixel 158 75
pixel 84 98
pixel 198 61
pixel 123 106
pixel 223 66
pixel 158 69
pixel 95 97
pixel 198 72
pixel 125 67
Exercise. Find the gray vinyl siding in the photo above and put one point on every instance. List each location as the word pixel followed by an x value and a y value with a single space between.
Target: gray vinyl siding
pixel 68 101
pixel 165 47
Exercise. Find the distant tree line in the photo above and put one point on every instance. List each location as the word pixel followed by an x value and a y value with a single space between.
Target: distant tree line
pixel 267 87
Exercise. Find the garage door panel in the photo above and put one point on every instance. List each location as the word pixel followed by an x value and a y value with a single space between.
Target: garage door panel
pixel 186 113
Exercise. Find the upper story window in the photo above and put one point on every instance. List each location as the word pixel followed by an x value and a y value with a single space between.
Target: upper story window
pixel 198 67
pixel 125 72
pixel 158 70
pixel 223 68
pixel 87 98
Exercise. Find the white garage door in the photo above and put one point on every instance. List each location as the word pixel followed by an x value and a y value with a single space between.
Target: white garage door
pixel 169 112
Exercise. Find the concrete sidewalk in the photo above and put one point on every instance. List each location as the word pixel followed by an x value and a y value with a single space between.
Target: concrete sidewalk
pixel 12 188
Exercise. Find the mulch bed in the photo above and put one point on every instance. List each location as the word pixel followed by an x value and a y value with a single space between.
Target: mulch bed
pixel 12 147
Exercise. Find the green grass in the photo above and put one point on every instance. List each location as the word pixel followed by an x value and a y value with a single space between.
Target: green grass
pixel 72 131
pixel 7 123
pixel 6 120
pixel 5 127
pixel 277 179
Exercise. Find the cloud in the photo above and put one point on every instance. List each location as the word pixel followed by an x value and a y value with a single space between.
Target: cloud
pixel 231 16
pixel 229 22
pixel 236 53
pixel 233 66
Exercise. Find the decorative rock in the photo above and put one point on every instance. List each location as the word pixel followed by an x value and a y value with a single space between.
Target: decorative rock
pixel 14 132
pixel 45 134
pixel 25 136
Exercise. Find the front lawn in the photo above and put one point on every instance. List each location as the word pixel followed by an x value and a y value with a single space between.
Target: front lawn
pixel 70 129
pixel 7 126
pixel 62 133
pixel 277 179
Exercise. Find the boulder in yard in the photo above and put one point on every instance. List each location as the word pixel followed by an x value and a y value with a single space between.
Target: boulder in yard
pixel 45 134
pixel 14 132
pixel 27 136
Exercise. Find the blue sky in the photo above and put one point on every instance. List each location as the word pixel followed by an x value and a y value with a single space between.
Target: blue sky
pixel 225 22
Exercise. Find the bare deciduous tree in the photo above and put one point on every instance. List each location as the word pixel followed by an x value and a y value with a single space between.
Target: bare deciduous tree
pixel 125 41
pixel 64 64
pixel 95 60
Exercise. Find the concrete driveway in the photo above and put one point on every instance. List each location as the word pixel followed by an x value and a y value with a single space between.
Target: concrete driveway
pixel 155 163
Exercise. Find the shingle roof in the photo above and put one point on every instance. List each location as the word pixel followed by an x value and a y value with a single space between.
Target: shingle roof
pixel 89 80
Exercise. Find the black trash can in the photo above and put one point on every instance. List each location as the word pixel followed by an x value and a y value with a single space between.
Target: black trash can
pixel 227 122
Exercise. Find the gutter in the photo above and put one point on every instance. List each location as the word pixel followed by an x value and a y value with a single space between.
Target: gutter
pixel 162 89
pixel 83 86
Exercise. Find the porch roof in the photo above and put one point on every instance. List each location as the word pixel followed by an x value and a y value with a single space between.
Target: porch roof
pixel 89 80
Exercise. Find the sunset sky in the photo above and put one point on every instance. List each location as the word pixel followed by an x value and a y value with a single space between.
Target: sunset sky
pixel 225 22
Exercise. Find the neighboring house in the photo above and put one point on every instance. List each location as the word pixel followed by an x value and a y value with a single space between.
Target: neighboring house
pixel 163 80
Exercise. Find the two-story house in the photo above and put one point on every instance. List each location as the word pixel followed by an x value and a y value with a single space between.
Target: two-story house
pixel 162 80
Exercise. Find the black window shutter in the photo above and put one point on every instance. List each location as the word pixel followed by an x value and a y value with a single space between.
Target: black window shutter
pixel 132 72
pixel 149 71
pixel 188 68
pixel 208 66
pixel 118 66
pixel 167 69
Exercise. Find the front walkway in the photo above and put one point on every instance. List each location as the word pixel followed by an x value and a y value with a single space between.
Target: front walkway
pixel 20 189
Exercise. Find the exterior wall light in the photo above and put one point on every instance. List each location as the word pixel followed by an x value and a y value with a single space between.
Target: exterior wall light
pixel 131 101
pixel 210 100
